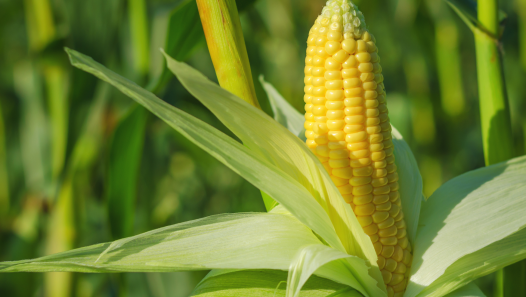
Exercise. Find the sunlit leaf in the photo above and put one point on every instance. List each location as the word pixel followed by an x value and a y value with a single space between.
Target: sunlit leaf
pixel 470 290
pixel 480 263
pixel 221 241
pixel 243 161
pixel 263 283
pixel 332 264
pixel 410 182
pixel 469 220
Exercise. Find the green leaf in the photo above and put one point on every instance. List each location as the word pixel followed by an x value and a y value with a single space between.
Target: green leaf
pixel 480 263
pixel 183 36
pixel 287 116
pixel 468 14
pixel 4 181
pixel 331 264
pixel 284 113
pixel 123 168
pixel 228 241
pixel 460 223
pixel 34 133
pixel 268 201
pixel 140 45
pixel 470 290
pixel 263 283
pixel 410 182
pixel 274 143
pixel 241 160
pixel 56 78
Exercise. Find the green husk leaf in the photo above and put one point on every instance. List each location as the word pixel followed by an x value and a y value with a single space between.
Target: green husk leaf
pixel 123 168
pixel 287 116
pixel 331 264
pixel 410 182
pixel 468 221
pixel 183 36
pixel 226 241
pixel 284 113
pixel 470 290
pixel 274 143
pixel 480 263
pixel 263 283
pixel 241 160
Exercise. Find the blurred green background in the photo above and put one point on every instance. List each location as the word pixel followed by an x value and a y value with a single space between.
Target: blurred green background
pixel 81 164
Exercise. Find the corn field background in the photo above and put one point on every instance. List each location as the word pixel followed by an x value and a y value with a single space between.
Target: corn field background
pixel 80 164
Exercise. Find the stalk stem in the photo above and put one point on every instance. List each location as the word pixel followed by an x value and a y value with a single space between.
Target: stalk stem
pixel 494 106
pixel 139 35
pixel 495 117
pixel 226 45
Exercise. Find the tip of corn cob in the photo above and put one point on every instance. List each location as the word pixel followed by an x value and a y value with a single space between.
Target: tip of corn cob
pixel 345 16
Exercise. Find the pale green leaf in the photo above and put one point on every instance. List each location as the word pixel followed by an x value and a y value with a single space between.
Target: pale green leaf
pixel 265 283
pixel 331 264
pixel 284 113
pixel 480 263
pixel 470 290
pixel 227 241
pixel 265 176
pixel 271 141
pixel 464 216
pixel 410 182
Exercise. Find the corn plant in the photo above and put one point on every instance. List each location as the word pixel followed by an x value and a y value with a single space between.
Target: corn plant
pixel 346 214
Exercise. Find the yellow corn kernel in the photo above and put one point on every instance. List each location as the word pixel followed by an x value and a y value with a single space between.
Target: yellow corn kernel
pixel 381 262
pixel 387 251
pixel 377 247
pixel 398 254
pixel 388 240
pixel 384 207
pixel 338 181
pixel 357 163
pixel 400 268
pixel 347 127
pixel 391 231
pixel 364 210
pixel 371 229
pixel 331 47
pixel 347 189
pixel 345 173
pixel 387 276
pixel 365 220
pixel 380 216
pixel 361 200
pixel 386 224
pixel 349 45
pixel 339 163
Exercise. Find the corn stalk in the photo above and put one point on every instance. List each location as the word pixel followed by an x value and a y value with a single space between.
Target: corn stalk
pixel 494 106
pixel 495 115
pixel 227 48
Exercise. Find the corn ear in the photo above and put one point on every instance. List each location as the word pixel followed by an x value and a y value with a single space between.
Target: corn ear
pixel 348 129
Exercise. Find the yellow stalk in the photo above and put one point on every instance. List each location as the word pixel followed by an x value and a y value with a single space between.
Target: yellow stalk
pixel 226 45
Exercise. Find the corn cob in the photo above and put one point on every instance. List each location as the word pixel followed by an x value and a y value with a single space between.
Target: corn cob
pixel 347 128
